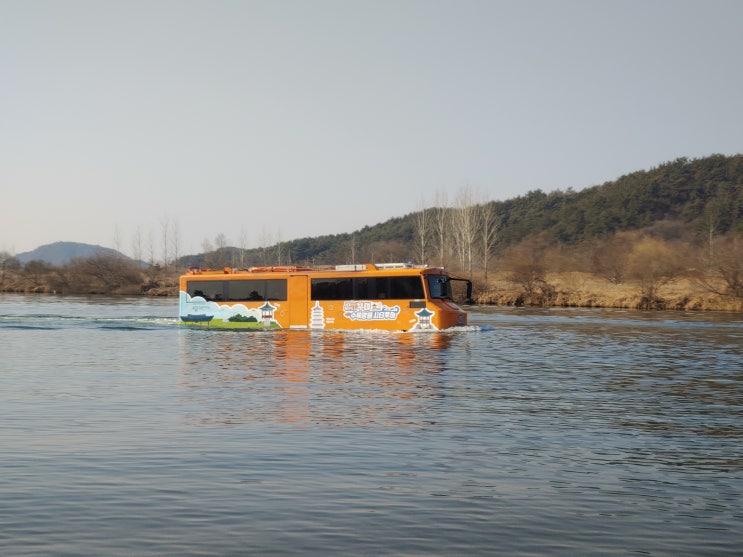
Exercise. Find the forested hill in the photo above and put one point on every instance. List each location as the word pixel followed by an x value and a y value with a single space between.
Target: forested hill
pixel 694 194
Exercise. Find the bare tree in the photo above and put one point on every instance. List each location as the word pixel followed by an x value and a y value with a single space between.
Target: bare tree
pixel 207 248
pixel 220 249
pixel 653 264
pixel 421 225
pixel 151 248
pixel 610 257
pixel 490 224
pixel 7 262
pixel 724 274
pixel 716 218
pixel 441 226
pixel 137 246
pixel 175 243
pixel 65 281
pixel 528 266
pixel 240 259
pixel 265 242
pixel 110 272
pixel 36 271
pixel 164 231
pixel 465 224
pixel 117 238
pixel 279 249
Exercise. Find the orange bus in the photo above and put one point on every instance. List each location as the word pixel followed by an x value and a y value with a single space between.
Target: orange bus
pixel 391 296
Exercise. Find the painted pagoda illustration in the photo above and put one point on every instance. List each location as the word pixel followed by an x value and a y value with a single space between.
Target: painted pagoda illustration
pixel 317 317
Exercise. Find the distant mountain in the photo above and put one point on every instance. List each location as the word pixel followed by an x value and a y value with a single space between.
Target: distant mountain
pixel 59 253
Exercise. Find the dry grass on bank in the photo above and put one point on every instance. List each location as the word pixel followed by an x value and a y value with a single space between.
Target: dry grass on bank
pixel 565 289
pixel 575 289
pixel 162 284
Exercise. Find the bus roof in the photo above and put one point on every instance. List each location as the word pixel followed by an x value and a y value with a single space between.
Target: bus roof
pixel 369 269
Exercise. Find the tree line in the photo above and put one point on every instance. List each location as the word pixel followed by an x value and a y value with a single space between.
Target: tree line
pixel 97 274
pixel 682 219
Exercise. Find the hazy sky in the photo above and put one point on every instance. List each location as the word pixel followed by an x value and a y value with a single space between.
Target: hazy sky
pixel 280 119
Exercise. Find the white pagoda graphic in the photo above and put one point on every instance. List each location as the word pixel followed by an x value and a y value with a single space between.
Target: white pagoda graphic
pixel 317 316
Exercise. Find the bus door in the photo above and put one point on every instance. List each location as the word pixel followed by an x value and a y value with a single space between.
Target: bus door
pixel 298 296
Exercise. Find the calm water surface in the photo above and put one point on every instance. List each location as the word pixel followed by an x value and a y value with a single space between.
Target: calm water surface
pixel 531 432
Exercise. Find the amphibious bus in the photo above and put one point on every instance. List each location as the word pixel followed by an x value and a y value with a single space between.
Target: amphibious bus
pixel 390 296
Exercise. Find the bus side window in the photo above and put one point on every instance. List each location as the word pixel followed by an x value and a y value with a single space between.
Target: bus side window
pixel 406 288
pixel 361 288
pixel 207 289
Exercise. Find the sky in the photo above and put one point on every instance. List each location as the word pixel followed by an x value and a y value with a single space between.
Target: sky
pixel 273 120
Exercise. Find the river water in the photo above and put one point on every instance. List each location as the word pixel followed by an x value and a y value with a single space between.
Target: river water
pixel 530 432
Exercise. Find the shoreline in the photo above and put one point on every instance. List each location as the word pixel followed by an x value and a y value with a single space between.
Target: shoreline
pixel 582 290
pixel 567 289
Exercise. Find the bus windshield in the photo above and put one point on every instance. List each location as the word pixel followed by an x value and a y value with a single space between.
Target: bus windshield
pixel 439 287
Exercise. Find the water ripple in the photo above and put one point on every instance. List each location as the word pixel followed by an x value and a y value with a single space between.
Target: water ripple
pixel 528 432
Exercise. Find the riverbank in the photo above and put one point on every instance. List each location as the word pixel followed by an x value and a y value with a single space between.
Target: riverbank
pixel 574 289
pixel 567 289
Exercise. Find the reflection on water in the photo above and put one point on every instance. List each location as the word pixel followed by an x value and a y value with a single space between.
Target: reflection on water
pixel 532 432
pixel 335 378
pixel 650 378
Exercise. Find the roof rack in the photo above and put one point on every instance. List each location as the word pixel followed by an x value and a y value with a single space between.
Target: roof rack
pixel 393 265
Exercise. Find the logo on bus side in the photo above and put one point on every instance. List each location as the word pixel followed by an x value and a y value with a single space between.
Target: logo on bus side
pixel 369 311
